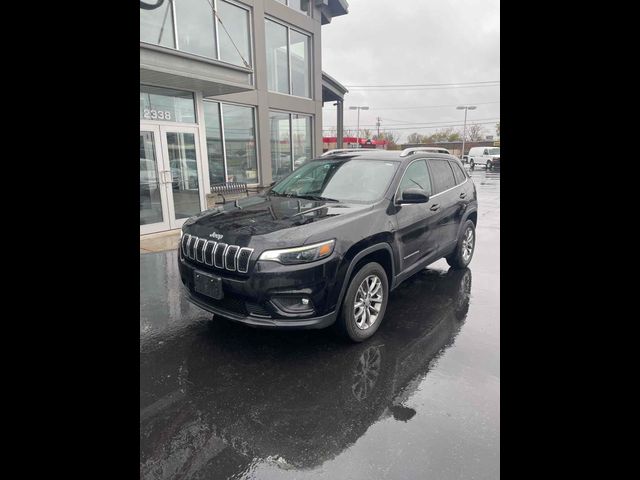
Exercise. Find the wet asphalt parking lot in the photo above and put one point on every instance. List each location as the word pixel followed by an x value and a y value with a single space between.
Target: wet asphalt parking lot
pixel 421 399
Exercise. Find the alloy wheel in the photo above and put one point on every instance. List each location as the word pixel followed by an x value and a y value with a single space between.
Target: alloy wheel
pixel 368 302
pixel 467 244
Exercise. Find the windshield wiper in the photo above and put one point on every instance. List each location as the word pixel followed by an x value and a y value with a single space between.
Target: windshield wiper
pixel 317 197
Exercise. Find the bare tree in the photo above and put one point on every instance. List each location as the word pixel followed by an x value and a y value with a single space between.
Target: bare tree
pixel 391 138
pixel 475 132
pixel 416 138
pixel 365 133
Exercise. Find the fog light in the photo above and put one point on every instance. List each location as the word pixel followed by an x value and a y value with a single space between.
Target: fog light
pixel 293 304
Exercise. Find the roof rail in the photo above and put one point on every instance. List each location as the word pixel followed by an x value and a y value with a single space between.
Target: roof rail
pixel 341 150
pixel 410 150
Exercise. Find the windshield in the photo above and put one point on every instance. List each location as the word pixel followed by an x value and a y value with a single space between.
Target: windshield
pixel 494 151
pixel 344 180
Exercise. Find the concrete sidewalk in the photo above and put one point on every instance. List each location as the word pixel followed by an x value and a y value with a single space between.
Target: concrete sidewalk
pixel 159 242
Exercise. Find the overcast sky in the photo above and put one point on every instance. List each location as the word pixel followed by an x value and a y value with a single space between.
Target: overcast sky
pixel 415 42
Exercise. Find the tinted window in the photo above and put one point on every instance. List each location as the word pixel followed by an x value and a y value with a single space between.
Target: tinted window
pixel 457 171
pixel 416 176
pixel 442 175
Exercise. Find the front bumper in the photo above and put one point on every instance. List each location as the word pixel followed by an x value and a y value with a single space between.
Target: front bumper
pixel 247 298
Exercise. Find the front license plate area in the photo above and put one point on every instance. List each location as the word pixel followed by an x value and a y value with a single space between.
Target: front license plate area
pixel 209 285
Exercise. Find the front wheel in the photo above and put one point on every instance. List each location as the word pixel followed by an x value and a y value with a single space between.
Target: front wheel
pixel 461 256
pixel 489 165
pixel 472 164
pixel 365 302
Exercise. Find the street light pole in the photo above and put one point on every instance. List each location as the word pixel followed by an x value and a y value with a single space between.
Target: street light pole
pixel 464 130
pixel 358 127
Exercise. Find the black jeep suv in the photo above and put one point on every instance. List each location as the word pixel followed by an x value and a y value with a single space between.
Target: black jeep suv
pixel 329 242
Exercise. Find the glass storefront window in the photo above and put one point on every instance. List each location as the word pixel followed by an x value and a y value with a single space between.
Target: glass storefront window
pixel 236 21
pixel 277 57
pixel 166 104
pixel 238 136
pixel 195 24
pixel 280 145
pixel 215 153
pixel 150 202
pixel 240 143
pixel 299 64
pixel 291 143
pixel 288 60
pixel 183 162
pixel 300 5
pixel 301 136
pixel 194 19
pixel 156 25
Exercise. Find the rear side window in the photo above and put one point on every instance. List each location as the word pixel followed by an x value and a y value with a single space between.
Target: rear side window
pixel 443 178
pixel 416 176
pixel 458 173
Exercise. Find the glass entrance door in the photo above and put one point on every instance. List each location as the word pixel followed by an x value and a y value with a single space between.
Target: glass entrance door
pixel 169 176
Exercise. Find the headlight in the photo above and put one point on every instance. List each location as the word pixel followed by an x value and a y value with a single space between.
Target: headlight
pixel 308 253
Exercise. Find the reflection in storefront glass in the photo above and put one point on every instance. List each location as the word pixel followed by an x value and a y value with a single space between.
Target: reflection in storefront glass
pixel 240 143
pixel 150 203
pixel 280 145
pixel 215 154
pixel 236 21
pixel 301 129
pixel 166 104
pixel 184 173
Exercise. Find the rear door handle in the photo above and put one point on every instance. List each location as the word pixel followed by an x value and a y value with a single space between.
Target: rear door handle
pixel 435 207
pixel 463 194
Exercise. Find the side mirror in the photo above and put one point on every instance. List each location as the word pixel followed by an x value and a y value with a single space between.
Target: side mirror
pixel 413 195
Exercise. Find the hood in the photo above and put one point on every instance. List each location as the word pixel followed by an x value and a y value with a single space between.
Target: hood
pixel 270 217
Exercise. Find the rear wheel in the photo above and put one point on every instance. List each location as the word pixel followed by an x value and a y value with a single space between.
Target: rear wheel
pixel 364 303
pixel 461 256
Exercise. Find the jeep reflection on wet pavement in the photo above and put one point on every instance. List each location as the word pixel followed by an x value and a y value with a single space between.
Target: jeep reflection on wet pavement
pixel 213 401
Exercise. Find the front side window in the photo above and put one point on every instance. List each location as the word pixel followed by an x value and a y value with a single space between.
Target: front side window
pixel 443 178
pixel 288 60
pixel 344 180
pixel 416 176
pixel 494 151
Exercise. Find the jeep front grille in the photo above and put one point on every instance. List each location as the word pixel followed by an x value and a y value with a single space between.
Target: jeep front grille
pixel 217 254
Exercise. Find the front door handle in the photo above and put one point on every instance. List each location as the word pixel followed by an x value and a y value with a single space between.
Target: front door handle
pixel 435 207
pixel 463 194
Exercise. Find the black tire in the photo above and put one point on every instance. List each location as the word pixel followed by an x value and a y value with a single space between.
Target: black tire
pixel 472 164
pixel 488 165
pixel 457 258
pixel 347 320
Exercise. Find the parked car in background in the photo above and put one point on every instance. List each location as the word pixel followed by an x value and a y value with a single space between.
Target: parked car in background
pixel 487 156
pixel 465 159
